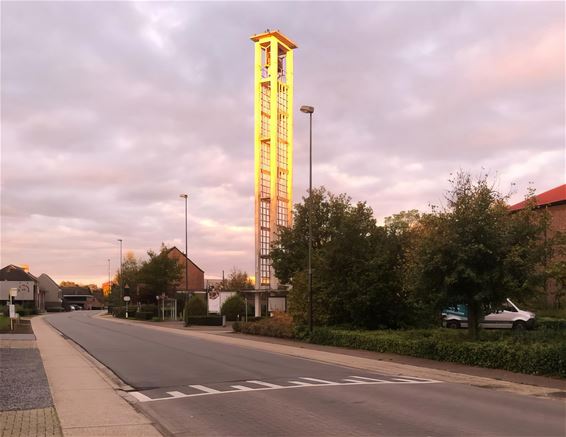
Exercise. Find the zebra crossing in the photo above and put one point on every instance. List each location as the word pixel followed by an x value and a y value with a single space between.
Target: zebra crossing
pixel 256 385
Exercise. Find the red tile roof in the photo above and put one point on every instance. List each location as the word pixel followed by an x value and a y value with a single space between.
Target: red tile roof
pixel 549 197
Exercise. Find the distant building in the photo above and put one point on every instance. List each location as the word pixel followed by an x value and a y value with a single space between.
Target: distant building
pixel 554 202
pixel 196 274
pixel 80 296
pixel 51 292
pixel 27 285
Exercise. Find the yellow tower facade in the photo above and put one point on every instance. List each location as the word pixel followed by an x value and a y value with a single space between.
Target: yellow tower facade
pixel 273 142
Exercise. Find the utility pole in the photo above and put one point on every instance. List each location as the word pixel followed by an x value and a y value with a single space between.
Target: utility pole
pixel 309 110
pixel 121 278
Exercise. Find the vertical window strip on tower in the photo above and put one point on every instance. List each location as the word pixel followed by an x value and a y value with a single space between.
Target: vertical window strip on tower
pixel 265 155
pixel 265 109
pixel 265 59
pixel 265 185
pixel 282 213
pixel 282 155
pixel 282 98
pixel 282 127
pixel 282 185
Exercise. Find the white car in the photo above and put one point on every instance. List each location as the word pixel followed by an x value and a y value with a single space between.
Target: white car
pixel 506 316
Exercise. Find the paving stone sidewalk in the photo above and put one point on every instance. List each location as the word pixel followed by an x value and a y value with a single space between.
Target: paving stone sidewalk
pixel 26 405
pixel 30 423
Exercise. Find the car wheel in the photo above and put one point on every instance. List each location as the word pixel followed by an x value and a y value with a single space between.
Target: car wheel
pixel 519 325
pixel 453 324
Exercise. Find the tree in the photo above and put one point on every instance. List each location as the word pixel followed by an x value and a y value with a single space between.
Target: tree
pixel 68 284
pixel 556 267
pixel 130 272
pixel 239 280
pixel 356 273
pixel 474 251
pixel 158 275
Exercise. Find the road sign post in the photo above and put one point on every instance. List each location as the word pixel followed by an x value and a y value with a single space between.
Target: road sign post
pixel 126 299
pixel 12 308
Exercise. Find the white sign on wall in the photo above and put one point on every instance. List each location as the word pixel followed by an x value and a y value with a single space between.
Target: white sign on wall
pixel 25 289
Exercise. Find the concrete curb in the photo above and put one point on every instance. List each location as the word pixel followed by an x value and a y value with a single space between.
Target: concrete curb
pixel 362 362
pixel 86 399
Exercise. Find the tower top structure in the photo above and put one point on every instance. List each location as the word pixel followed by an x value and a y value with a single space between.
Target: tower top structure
pixel 289 43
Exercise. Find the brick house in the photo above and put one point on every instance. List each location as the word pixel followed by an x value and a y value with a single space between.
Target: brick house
pixel 554 202
pixel 196 274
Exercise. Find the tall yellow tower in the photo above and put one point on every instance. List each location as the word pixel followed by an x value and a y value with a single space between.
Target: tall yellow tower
pixel 273 141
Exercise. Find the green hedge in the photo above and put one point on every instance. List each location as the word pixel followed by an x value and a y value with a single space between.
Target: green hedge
pixel 551 324
pixel 516 354
pixel 271 327
pixel 144 315
pixel 203 320
pixel 121 312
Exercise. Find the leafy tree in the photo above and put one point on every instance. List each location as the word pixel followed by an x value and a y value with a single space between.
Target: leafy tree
pixel 239 280
pixel 474 251
pixel 235 306
pixel 158 275
pixel 130 272
pixel 556 267
pixel 69 284
pixel 195 306
pixel 356 271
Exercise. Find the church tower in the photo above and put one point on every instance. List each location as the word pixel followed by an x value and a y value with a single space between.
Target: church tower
pixel 273 142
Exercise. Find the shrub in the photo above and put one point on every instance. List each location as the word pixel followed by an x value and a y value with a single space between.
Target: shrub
pixel 204 320
pixel 121 312
pixel 551 324
pixel 517 353
pixel 279 325
pixel 149 308
pixel 195 306
pixel 144 315
pixel 235 306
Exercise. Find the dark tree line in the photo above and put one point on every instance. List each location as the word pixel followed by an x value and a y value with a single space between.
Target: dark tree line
pixel 472 251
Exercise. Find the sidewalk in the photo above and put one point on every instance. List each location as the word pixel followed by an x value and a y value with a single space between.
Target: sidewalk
pixel 495 379
pixel 87 401
pixel 26 405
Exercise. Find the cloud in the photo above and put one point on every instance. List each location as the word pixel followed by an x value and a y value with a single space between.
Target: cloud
pixel 110 111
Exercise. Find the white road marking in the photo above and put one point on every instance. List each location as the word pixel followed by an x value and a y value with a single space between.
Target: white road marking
pixel 300 383
pixel 242 388
pixel 265 384
pixel 140 396
pixel 369 379
pixel 406 380
pixel 322 381
pixel 204 389
pixel 207 391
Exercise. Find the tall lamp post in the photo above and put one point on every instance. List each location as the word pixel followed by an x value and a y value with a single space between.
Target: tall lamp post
pixel 121 278
pixel 186 196
pixel 309 110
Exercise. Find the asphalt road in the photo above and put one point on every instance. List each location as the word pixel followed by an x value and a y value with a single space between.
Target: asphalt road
pixel 192 386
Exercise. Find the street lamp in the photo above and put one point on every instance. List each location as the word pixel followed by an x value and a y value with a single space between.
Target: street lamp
pixel 121 279
pixel 309 110
pixel 186 196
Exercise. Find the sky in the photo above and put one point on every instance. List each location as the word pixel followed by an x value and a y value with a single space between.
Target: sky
pixel 110 110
